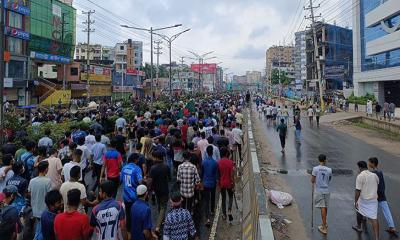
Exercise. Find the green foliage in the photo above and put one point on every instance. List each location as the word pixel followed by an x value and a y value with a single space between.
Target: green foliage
pixel 129 115
pixel 57 131
pixel 282 75
pixel 160 105
pixel 362 100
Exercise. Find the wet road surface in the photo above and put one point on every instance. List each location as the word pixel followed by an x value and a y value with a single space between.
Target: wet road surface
pixel 343 152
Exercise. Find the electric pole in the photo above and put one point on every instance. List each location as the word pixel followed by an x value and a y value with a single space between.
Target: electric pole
pixel 63 23
pixel 158 53
pixel 88 30
pixel 316 53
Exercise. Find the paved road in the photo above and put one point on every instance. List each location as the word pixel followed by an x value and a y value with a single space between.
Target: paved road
pixel 343 152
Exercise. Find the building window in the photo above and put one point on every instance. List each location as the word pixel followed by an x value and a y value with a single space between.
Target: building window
pixel 74 72
pixel 54 69
pixel 14 20
pixel 16 69
pixel 82 57
pixel 121 48
pixel 15 45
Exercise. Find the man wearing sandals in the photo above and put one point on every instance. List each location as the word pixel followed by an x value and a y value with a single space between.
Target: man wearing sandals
pixel 366 198
pixel 321 177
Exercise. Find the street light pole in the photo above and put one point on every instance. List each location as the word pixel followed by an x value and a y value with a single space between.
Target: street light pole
pixel 151 31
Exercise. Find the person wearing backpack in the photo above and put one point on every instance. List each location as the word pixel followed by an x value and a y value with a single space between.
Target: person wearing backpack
pixel 10 224
pixel 29 159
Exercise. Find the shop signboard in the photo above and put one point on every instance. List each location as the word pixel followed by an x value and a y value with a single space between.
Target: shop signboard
pixel 50 57
pixel 18 6
pixel 17 33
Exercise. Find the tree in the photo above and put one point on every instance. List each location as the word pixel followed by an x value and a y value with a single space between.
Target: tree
pixel 276 74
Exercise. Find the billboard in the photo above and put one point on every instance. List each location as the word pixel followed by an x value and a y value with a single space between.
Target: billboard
pixel 133 71
pixel 98 73
pixel 17 33
pixel 205 68
pixel 19 6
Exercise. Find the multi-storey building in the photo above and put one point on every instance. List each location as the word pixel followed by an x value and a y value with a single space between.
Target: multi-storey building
pixel 96 52
pixel 300 60
pixel 376 52
pixel 253 77
pixel 280 57
pixel 17 36
pixel 335 49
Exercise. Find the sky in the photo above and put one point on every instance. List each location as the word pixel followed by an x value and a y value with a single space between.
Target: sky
pixel 238 32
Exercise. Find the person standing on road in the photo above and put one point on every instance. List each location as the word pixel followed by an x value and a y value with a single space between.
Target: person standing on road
pixel 310 114
pixel 382 202
pixel 282 130
pixel 226 181
pixel 378 109
pixel 209 177
pixel 366 198
pixel 386 110
pixel 318 114
pixel 141 225
pixel 392 109
pixel 321 177
pixel 297 125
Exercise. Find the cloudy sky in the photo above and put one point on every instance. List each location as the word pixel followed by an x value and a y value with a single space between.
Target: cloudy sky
pixel 238 31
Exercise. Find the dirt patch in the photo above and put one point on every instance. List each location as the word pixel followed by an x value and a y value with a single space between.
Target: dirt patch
pixel 287 223
pixel 370 136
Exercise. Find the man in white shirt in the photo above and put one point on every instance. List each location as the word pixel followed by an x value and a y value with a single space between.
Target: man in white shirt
pixel 120 122
pixel 310 114
pixel 86 159
pixel 321 177
pixel 90 140
pixel 46 140
pixel 238 138
pixel 76 156
pixel 366 198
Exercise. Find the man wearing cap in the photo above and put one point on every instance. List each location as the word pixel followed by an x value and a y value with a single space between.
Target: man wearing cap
pixel 141 223
pixel 10 224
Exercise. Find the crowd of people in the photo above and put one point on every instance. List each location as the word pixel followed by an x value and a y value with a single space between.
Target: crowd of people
pixel 97 185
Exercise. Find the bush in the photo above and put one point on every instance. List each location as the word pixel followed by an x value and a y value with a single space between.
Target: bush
pixel 362 100
pixel 57 131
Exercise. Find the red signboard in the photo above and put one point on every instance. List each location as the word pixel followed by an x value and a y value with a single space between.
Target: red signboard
pixel 133 71
pixel 206 68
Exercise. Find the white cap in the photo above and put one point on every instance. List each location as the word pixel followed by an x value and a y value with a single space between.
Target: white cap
pixel 141 190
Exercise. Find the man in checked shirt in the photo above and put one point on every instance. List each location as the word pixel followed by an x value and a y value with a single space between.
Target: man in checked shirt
pixel 188 178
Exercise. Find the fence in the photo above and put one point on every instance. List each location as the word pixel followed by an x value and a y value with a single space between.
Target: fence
pixel 256 223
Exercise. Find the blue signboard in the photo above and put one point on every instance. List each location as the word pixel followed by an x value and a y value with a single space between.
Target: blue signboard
pixel 20 6
pixel 50 57
pixel 17 33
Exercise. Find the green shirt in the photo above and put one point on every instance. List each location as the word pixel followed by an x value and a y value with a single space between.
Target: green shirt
pixel 282 129
pixel 19 153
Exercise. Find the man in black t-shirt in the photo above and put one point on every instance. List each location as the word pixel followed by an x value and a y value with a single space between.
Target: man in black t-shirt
pixel 9 147
pixel 121 143
pixel 160 177
pixel 282 130
pixel 382 202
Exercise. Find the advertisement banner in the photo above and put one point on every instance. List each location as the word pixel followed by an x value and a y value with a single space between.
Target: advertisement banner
pixel 50 57
pixel 119 89
pixel 133 71
pixel 206 68
pixel 100 91
pixel 17 33
pixel 19 6
pixel 335 71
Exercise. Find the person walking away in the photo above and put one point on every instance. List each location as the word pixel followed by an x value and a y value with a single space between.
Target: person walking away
pixel 73 183
pixel 112 160
pixel 318 114
pixel 366 198
pixel 369 108
pixel 54 203
pixel 86 159
pixel 55 168
pixel 392 110
pixel 189 178
pixel 209 172
pixel 108 217
pixel 178 222
pixel 141 225
pixel 310 114
pixel 72 224
pixel 10 147
pixel 131 176
pixel 320 179
pixel 382 202
pixel 386 110
pixel 120 122
pixel 159 179
pixel 238 138
pixel 98 151
pixel 356 107
pixel 298 129
pixel 29 159
pixel 10 224
pixel 38 188
pixel 120 143
pixel 46 140
pixel 282 130
pixel 378 110
pixel 226 181
pixel 21 183
pixel 76 159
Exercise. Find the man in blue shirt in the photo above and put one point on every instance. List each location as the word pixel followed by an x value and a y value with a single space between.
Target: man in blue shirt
pixel 131 177
pixel 141 216
pixel 98 151
pixel 54 204
pixel 209 176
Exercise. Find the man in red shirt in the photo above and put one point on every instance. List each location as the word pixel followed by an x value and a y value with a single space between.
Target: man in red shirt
pixel 71 224
pixel 184 130
pixel 112 164
pixel 226 181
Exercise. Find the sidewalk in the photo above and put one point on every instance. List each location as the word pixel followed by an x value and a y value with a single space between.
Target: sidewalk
pixel 339 116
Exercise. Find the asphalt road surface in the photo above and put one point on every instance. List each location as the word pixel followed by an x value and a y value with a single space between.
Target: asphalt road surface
pixel 343 152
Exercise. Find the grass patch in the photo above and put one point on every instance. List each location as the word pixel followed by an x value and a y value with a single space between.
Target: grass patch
pixel 385 133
